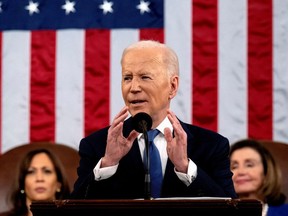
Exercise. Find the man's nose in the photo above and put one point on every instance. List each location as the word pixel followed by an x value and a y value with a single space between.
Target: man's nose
pixel 135 85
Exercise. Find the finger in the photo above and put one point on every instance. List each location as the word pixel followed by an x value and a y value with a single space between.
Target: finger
pixel 120 117
pixel 172 117
pixel 168 134
pixel 179 133
pixel 175 122
pixel 132 136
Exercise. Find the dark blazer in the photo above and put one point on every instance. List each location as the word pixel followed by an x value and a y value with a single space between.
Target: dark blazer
pixel 208 150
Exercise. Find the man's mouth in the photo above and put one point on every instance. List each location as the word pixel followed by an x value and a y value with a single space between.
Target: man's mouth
pixel 136 101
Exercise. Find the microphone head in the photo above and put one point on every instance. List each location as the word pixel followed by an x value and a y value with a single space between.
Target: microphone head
pixel 142 122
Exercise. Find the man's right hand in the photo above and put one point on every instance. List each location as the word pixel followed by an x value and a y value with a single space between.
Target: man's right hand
pixel 117 145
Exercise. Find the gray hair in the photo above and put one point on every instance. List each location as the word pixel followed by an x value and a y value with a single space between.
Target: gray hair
pixel 169 56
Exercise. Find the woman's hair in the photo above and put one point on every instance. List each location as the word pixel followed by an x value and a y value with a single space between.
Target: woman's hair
pixel 18 196
pixel 271 189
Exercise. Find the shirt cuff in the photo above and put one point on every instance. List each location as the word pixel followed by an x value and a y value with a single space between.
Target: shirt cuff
pixel 190 176
pixel 105 172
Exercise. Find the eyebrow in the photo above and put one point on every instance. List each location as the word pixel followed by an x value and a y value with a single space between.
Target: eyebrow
pixel 247 160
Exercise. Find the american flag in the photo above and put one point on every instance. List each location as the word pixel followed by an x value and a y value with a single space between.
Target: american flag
pixel 60 72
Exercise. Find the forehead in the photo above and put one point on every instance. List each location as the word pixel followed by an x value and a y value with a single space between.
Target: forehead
pixel 144 61
pixel 245 153
pixel 143 55
pixel 41 159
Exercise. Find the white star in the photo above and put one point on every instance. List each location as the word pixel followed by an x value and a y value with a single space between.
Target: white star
pixel 106 7
pixel 0 7
pixel 69 7
pixel 32 7
pixel 143 7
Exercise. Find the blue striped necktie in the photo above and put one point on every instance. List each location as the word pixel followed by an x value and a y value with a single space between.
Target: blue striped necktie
pixel 156 176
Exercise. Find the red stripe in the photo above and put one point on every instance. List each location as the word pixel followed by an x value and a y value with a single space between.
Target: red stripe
pixel 205 50
pixel 152 34
pixel 1 57
pixel 42 125
pixel 260 69
pixel 97 79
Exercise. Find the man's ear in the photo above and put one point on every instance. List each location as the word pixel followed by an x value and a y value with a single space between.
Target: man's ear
pixel 174 83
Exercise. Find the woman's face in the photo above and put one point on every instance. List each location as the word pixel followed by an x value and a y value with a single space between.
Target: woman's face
pixel 248 172
pixel 41 179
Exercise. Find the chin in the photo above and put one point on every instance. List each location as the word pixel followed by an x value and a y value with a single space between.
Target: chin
pixel 244 190
pixel 135 111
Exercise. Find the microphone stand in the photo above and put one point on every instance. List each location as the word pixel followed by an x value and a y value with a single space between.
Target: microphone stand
pixel 147 194
pixel 142 123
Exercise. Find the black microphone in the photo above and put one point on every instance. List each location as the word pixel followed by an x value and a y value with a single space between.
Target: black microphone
pixel 142 122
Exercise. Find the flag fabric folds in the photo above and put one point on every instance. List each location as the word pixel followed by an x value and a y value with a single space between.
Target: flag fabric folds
pixel 60 72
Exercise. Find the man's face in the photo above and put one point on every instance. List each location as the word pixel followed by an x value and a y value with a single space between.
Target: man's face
pixel 146 86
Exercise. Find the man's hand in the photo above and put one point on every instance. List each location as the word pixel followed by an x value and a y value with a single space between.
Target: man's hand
pixel 177 146
pixel 117 145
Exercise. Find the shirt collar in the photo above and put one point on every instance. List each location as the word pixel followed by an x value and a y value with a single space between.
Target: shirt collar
pixel 164 124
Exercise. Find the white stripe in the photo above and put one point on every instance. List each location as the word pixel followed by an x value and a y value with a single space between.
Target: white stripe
pixel 178 34
pixel 70 87
pixel 280 73
pixel 15 89
pixel 232 69
pixel 232 95
pixel 120 39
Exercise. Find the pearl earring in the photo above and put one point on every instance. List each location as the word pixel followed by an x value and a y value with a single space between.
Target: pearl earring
pixel 22 191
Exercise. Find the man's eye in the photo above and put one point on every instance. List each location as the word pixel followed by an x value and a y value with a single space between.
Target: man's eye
pixel 145 77
pixel 126 78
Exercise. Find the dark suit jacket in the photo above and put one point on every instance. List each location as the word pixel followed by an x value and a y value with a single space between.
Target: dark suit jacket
pixel 208 150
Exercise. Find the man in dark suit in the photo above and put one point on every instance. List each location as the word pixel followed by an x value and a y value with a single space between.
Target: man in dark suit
pixel 195 161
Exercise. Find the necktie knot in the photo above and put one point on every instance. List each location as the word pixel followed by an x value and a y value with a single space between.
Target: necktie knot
pixel 152 134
